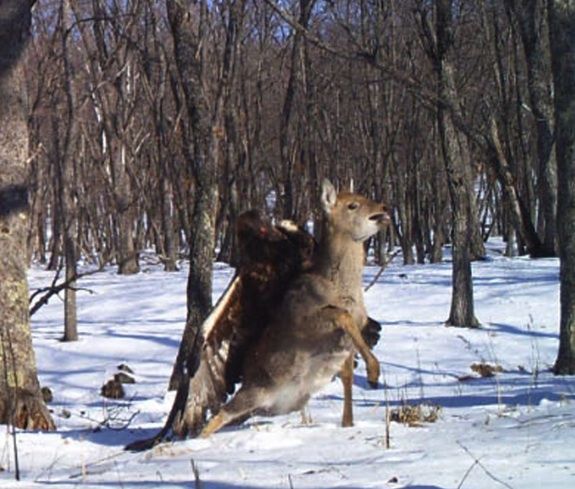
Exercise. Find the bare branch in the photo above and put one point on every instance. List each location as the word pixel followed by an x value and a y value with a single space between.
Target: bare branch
pixel 388 260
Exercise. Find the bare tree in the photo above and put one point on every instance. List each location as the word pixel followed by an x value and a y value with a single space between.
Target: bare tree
pixel 65 179
pixel 21 403
pixel 167 122
pixel 454 156
pixel 562 22
pixel 203 149
pixel 531 16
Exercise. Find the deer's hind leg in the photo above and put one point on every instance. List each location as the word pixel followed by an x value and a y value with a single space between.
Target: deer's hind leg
pixel 244 403
pixel 346 375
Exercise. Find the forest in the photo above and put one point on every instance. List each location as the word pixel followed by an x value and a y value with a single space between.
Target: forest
pixel 131 128
pixel 115 103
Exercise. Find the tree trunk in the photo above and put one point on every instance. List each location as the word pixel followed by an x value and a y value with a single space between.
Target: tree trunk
pixel 294 86
pixel 532 21
pixel 169 241
pixel 518 211
pixel 439 215
pixel 68 187
pixel 562 27
pixel 462 309
pixel 21 403
pixel 207 129
pixel 126 249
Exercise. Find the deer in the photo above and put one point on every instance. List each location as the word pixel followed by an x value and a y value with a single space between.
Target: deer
pixel 269 257
pixel 317 327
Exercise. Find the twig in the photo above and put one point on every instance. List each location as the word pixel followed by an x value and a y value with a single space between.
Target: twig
pixel 387 417
pixel 86 469
pixel 16 459
pixel 56 289
pixel 196 471
pixel 388 260
pixel 39 291
pixel 467 474
pixel 479 464
pixel 112 418
pixel 396 74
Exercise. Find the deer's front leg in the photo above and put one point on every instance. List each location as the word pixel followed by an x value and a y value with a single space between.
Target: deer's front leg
pixel 346 322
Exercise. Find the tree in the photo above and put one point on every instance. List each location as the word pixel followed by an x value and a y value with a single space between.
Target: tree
pixel 295 84
pixel 532 20
pixel 455 156
pixel 65 185
pixel 344 89
pixel 562 23
pixel 21 403
pixel 202 140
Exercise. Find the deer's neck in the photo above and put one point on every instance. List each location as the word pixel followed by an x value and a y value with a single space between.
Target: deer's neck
pixel 340 260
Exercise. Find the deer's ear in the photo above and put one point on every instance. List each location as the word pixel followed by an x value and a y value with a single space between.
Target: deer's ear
pixel 328 195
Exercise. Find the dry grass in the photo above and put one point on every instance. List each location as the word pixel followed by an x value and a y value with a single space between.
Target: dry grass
pixel 486 370
pixel 415 415
pixel 483 370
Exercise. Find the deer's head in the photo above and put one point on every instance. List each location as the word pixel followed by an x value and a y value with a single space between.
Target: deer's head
pixel 351 214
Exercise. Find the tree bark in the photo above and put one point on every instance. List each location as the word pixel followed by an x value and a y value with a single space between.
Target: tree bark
pixel 532 20
pixel 439 215
pixel 518 211
pixel 126 250
pixel 462 307
pixel 562 28
pixel 67 185
pixel 170 250
pixel 294 85
pixel 21 403
pixel 207 129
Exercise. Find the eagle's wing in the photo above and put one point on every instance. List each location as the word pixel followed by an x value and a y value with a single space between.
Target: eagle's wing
pixel 209 386
pixel 270 257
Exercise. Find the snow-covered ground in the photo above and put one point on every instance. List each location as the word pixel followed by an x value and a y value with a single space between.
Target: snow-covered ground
pixel 516 429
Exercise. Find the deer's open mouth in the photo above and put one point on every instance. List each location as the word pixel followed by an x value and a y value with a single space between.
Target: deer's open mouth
pixel 380 218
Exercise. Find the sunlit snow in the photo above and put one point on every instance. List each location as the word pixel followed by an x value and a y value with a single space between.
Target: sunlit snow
pixel 515 429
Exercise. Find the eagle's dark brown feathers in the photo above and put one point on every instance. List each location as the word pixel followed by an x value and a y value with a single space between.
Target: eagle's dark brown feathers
pixel 269 258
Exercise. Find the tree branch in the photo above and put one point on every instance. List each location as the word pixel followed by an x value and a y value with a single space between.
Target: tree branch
pixel 56 289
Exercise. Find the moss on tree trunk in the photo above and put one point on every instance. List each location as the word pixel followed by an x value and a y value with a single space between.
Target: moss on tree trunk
pixel 21 403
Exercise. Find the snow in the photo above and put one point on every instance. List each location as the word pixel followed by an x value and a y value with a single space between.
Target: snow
pixel 515 429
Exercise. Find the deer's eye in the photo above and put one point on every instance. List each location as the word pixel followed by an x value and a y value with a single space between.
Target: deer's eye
pixel 352 206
